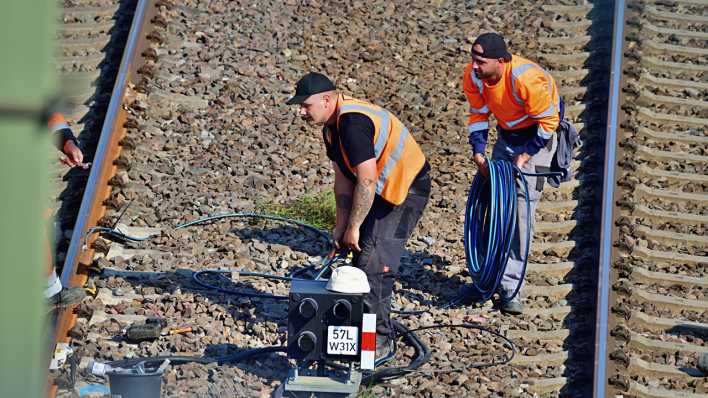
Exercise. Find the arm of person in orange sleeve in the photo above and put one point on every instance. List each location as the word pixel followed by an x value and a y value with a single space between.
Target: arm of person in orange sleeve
pixel 536 90
pixel 65 140
pixel 478 110
pixel 478 120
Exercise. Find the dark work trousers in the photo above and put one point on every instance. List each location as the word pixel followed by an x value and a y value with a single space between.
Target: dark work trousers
pixel 382 239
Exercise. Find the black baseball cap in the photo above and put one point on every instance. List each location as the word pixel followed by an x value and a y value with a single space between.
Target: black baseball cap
pixel 493 46
pixel 311 83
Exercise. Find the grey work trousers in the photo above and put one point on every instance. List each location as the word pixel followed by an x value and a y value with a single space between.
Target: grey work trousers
pixel 538 163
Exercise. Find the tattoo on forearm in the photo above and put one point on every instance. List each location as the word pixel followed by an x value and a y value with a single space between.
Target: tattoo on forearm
pixel 363 199
pixel 344 202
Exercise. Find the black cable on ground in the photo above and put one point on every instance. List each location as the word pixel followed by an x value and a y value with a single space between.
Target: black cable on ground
pixel 196 277
pixel 251 353
pixel 181 359
pixel 422 351
pixel 174 360
pixel 244 214
pixel 422 355
pixel 508 343
pixel 446 305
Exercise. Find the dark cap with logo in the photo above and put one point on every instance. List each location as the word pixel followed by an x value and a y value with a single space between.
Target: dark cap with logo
pixel 311 83
pixel 493 46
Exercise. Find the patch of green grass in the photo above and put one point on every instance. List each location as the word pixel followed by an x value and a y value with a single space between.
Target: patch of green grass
pixel 367 392
pixel 318 210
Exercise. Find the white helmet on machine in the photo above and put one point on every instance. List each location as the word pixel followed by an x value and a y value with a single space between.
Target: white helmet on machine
pixel 348 279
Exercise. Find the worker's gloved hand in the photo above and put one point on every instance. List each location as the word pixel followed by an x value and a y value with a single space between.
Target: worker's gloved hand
pixel 73 155
pixel 481 163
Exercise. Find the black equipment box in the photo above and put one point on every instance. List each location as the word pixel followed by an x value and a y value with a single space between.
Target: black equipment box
pixel 323 324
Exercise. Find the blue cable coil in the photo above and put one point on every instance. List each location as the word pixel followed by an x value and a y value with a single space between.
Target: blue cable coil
pixel 490 225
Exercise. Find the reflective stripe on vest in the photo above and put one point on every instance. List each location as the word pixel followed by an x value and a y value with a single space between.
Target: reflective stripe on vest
pixel 543 133
pixel 515 73
pixel 482 110
pixel 477 82
pixel 397 163
pixel 385 124
pixel 517 121
pixel 57 122
pixel 392 160
pixel 477 126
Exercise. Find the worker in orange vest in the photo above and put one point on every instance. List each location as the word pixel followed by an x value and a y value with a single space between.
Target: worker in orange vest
pixel 66 142
pixel 381 185
pixel 524 99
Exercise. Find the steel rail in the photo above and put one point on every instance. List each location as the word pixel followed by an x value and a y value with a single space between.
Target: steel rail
pixel 79 254
pixel 607 226
pixel 100 166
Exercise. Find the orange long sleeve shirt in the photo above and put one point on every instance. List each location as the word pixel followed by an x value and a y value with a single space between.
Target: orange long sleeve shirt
pixel 526 95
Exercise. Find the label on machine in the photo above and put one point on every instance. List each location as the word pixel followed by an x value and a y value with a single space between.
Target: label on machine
pixel 342 340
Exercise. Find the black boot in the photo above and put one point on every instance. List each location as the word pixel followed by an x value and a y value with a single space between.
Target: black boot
pixel 67 296
pixel 512 306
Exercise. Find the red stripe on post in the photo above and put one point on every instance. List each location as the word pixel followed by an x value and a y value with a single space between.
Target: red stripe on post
pixel 368 341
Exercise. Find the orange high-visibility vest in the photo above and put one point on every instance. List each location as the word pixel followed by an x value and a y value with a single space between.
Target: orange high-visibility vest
pixel 525 95
pixel 398 156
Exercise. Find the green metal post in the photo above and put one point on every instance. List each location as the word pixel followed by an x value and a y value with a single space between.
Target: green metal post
pixel 27 81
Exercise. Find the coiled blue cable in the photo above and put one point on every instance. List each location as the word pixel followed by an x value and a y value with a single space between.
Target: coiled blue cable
pixel 490 224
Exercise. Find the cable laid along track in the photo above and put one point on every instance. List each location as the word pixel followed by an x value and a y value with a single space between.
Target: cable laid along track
pixel 655 244
pixel 100 43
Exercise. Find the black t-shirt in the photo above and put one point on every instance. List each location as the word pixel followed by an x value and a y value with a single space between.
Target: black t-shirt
pixel 356 133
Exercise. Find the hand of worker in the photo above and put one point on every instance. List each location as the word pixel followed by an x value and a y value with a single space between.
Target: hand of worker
pixel 521 160
pixel 350 240
pixel 337 235
pixel 481 163
pixel 73 155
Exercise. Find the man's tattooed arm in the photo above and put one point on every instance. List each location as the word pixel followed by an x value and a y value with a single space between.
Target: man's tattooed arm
pixel 343 190
pixel 344 201
pixel 363 199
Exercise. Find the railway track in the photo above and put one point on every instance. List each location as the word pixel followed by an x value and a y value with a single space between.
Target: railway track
pixel 199 139
pixel 90 43
pixel 556 331
pixel 658 302
pixel 97 44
